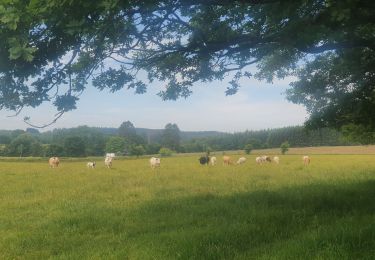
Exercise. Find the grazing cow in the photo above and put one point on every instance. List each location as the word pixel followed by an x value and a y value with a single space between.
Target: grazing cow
pixel 306 160
pixel 241 160
pixel 213 160
pixel 53 162
pixel 227 160
pixel 267 158
pixel 204 160
pixel 258 160
pixel 276 159
pixel 108 161
pixel 91 165
pixel 263 159
pixel 154 162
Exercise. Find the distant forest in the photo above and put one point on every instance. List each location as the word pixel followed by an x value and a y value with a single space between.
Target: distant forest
pixel 128 140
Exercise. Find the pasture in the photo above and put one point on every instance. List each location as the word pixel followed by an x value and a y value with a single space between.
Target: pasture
pixel 183 210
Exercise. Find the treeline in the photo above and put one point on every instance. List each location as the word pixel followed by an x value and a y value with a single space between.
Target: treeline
pixel 296 136
pixel 126 140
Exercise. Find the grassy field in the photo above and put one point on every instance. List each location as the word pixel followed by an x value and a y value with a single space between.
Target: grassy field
pixel 187 211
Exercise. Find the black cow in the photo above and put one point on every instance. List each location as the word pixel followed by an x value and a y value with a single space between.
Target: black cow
pixel 204 160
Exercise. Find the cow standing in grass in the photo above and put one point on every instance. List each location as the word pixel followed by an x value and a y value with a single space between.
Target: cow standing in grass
pixel 204 160
pixel 306 160
pixel 154 162
pixel 213 160
pixel 241 160
pixel 227 160
pixel 276 159
pixel 91 165
pixel 53 162
pixel 108 161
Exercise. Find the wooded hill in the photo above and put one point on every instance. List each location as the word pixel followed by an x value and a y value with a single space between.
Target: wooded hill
pixel 90 141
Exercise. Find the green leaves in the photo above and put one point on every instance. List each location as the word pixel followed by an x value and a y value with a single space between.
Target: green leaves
pixel 112 79
pixel 54 45
pixel 65 102
pixel 9 18
pixel 20 50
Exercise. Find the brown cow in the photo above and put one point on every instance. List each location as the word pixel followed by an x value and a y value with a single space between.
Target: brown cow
pixel 306 160
pixel 227 160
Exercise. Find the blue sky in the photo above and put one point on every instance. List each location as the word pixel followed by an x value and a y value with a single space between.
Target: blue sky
pixel 257 105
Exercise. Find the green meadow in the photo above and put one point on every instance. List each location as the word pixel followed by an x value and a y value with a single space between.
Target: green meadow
pixel 183 210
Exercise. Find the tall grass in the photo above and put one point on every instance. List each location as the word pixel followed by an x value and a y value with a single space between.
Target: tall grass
pixel 188 211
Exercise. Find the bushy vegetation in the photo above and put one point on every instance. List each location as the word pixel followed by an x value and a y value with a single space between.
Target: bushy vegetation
pixel 128 140
pixel 249 211
pixel 165 152
pixel 284 147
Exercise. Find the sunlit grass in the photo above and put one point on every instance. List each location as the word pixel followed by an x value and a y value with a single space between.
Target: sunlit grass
pixel 185 210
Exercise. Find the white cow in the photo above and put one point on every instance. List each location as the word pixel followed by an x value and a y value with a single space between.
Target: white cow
pixel 306 160
pixel 154 162
pixel 91 165
pixel 276 159
pixel 258 160
pixel 108 161
pixel 263 159
pixel 241 160
pixel 213 160
pixel 53 162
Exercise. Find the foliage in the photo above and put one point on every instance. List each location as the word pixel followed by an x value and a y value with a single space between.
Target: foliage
pixel 358 133
pixel 74 146
pixel 284 147
pixel 137 150
pixel 115 144
pixel 5 139
pixel 32 131
pixel 96 139
pixel 297 136
pixel 165 152
pixel 248 148
pixel 55 150
pixel 127 130
pixel 152 148
pixel 171 137
pixel 37 149
pixel 50 44
pixel 24 145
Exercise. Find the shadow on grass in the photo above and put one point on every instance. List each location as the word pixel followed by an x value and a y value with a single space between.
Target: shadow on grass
pixel 315 221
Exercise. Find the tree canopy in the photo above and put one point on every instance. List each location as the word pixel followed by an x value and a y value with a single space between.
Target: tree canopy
pixel 51 50
pixel 171 137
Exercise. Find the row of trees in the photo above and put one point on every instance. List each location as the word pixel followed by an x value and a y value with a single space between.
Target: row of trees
pixel 297 136
pixel 85 141
pixel 89 141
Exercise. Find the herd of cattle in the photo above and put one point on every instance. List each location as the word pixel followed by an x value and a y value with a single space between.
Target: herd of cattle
pixel 204 160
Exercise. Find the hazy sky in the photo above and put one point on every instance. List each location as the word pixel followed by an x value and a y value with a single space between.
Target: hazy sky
pixel 257 105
